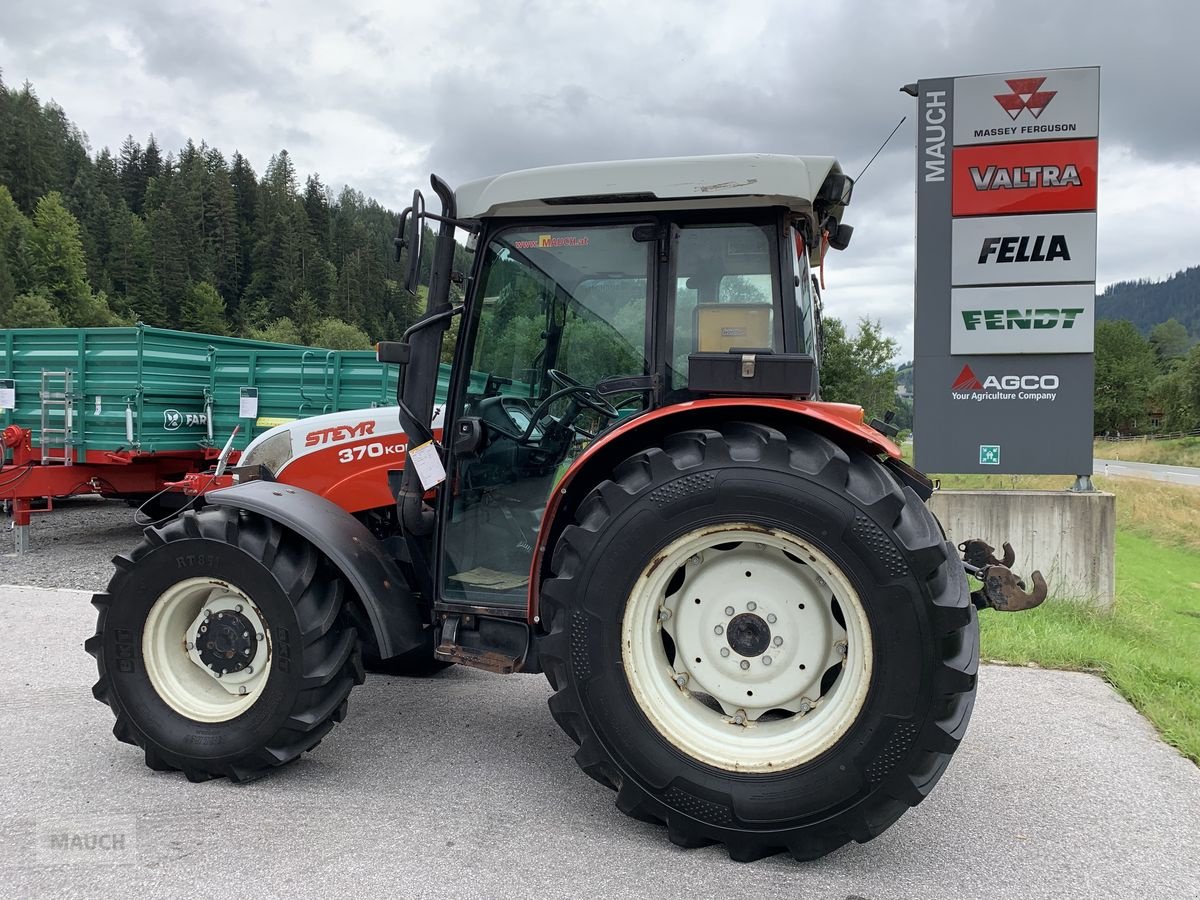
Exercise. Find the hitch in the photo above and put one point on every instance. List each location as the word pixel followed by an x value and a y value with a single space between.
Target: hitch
pixel 1002 589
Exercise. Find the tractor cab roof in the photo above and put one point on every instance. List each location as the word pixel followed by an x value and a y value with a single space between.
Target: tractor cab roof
pixel 800 183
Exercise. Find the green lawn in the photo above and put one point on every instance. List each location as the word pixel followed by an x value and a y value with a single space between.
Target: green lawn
pixel 1148 647
pixel 1179 452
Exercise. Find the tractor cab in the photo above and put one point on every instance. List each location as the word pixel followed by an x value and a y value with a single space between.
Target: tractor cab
pixel 600 293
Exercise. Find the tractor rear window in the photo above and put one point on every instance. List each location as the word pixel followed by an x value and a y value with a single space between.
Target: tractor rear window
pixel 725 295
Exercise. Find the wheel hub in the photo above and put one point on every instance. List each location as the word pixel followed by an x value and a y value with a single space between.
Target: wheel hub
pixel 226 642
pixel 748 634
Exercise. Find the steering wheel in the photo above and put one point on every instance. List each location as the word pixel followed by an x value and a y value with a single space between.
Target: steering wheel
pixel 582 394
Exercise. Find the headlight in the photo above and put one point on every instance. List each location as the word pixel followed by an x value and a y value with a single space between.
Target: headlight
pixel 272 451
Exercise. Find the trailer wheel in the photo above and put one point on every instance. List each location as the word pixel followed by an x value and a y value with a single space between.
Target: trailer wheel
pixel 222 646
pixel 787 661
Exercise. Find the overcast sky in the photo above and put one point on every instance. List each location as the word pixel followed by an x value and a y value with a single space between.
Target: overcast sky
pixel 377 95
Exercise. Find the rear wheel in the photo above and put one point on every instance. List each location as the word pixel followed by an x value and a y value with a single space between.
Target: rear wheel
pixel 787 661
pixel 222 646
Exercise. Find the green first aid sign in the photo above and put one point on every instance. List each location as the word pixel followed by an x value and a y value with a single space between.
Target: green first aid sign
pixel 989 454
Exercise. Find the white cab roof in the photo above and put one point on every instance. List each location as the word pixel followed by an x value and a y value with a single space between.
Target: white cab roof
pixel 681 182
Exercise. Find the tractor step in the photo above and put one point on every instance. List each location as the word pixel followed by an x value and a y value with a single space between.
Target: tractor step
pixel 481 642
pixel 1002 590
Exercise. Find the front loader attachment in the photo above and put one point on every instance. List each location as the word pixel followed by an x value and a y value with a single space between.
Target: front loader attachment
pixel 1002 589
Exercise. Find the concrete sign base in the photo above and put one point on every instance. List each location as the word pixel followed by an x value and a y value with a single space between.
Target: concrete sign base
pixel 1070 537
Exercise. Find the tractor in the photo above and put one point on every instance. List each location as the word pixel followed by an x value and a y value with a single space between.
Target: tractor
pixel 754 628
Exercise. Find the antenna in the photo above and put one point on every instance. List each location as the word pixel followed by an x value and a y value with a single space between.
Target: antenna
pixel 880 150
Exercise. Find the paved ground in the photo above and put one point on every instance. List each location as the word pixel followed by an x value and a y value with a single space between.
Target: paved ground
pixel 462 786
pixel 1174 474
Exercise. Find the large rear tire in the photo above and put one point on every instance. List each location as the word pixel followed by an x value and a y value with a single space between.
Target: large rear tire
pixel 222 647
pixel 785 658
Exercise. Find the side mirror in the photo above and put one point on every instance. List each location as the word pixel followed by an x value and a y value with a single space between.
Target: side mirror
pixel 408 236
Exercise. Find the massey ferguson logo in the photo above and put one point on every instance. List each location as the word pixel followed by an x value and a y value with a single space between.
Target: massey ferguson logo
pixel 1026 94
pixel 1019 178
pixel 1018 248
pixel 968 386
pixel 339 433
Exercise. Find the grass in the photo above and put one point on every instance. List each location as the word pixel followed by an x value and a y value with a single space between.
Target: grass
pixel 1148 646
pixel 1178 452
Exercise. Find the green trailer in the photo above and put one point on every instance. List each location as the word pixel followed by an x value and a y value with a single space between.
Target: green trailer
pixel 121 411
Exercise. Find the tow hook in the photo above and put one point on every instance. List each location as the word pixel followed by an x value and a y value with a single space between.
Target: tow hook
pixel 1002 589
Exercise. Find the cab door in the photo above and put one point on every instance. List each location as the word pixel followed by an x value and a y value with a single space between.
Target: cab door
pixel 555 311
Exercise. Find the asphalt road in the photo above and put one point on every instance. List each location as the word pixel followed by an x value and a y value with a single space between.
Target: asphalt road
pixel 462 786
pixel 1173 474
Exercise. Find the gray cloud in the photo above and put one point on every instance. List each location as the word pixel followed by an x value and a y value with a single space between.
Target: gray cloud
pixel 380 97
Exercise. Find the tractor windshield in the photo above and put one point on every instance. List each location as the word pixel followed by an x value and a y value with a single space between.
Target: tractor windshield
pixel 561 310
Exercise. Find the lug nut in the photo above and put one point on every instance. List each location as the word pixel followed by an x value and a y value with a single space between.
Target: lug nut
pixel 719 629
pixel 724 651
pixel 729 610
pixel 766 660
pixel 203 628
pixel 242 690
pixel 778 642
pixel 249 670
pixel 245 634
pixel 219 674
pixel 190 645
pixel 805 706
pixel 208 614
pixel 238 608
pixel 752 606
pixel 259 635
pixel 841 648
pixel 739 717
pixel 246 652
pixel 745 663
pixel 664 614
pixel 771 618
pixel 681 679
pixel 694 560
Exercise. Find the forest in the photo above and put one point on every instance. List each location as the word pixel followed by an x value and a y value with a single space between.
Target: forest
pixel 196 240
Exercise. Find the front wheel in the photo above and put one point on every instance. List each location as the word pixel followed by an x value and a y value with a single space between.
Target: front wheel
pixel 222 646
pixel 785 659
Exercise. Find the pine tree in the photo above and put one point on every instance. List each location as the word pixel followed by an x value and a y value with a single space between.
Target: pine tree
pixel 131 169
pixel 316 207
pixel 30 311
pixel 151 160
pixel 59 268
pixel 203 310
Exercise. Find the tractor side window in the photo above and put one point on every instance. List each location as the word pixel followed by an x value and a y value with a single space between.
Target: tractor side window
pixel 561 310
pixel 725 293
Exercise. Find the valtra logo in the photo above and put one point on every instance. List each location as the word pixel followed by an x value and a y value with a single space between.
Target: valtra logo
pixel 1026 95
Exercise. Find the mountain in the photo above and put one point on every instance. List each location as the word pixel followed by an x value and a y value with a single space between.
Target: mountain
pixel 1147 303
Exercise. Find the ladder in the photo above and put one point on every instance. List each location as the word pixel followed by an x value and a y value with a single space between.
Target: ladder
pixel 53 400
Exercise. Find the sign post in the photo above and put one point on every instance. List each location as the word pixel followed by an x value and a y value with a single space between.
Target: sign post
pixel 1006 272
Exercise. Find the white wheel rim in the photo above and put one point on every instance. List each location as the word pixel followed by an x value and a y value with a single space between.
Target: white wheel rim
pixel 191 637
pixel 736 711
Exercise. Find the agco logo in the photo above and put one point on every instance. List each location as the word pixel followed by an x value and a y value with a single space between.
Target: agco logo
pixel 339 433
pixel 1025 95
pixel 968 386
pixel 173 419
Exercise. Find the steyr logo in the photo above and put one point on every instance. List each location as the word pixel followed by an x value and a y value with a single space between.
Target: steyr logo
pixel 1026 95
pixel 1008 319
pixel 339 433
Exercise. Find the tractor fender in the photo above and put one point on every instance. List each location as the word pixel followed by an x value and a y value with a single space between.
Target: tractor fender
pixel 385 595
pixel 842 422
